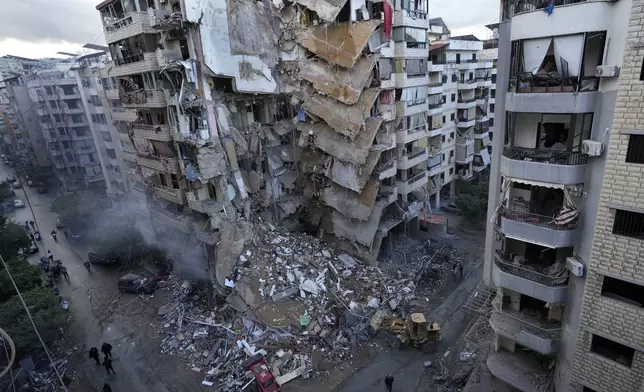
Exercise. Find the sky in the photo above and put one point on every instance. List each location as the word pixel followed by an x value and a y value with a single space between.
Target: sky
pixel 40 28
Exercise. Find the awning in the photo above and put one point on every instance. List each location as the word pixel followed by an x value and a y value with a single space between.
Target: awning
pixel 438 46
pixel 535 183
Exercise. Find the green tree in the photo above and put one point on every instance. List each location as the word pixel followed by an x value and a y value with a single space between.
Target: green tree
pixel 6 191
pixel 12 238
pixel 46 313
pixel 25 275
pixel 472 201
pixel 75 210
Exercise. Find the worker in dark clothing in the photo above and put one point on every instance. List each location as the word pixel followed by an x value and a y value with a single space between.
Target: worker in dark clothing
pixel 66 234
pixel 86 264
pixel 108 365
pixel 460 269
pixel 106 349
pixel 63 270
pixel 389 382
pixel 93 353
pixel 107 388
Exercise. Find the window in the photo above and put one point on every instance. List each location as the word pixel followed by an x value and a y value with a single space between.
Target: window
pixel 451 135
pixel 451 153
pixel 454 78
pixel 453 97
pixel 491 124
pixel 61 131
pixel 629 224
pixel 621 290
pixel 442 157
pixel 452 116
pixel 493 79
pixel 99 118
pixel 111 153
pixel 451 171
pixel 635 152
pixel 81 132
pixel 491 108
pixel 493 93
pixel 612 350
pixel 443 138
pixel 444 119
pixel 474 56
pixel 106 136
pixel 458 58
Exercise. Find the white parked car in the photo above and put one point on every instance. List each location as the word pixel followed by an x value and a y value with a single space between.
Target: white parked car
pixel 18 203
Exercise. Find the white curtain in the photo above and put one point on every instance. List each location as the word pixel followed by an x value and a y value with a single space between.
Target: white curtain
pixel 534 51
pixel 569 48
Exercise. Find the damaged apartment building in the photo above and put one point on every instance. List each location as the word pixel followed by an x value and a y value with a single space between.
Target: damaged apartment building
pixel 307 109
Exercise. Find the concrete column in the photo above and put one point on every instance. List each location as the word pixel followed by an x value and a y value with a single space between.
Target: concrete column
pixel 438 199
pixel 452 189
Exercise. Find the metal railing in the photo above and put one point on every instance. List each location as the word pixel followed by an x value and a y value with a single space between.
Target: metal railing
pixel 542 83
pixel 466 100
pixel 437 84
pixel 129 59
pixel 416 178
pixel 536 219
pixel 545 156
pixel 526 273
pixel 510 8
pixel 544 332
pixel 466 119
pixel 416 154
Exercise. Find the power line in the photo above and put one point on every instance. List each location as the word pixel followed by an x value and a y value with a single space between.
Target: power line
pixel 33 325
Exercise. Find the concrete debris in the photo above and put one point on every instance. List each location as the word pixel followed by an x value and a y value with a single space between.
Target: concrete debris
pixel 341 302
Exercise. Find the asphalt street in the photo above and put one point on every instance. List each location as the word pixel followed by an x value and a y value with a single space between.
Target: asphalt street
pixel 133 372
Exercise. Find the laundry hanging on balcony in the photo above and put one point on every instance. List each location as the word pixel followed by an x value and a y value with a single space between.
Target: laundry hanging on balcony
pixel 505 188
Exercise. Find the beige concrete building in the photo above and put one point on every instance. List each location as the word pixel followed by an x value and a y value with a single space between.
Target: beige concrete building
pixel 564 229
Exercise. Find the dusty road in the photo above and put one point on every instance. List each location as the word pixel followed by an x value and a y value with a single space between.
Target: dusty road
pixel 101 314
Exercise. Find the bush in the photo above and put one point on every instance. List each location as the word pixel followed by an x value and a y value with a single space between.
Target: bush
pixel 13 237
pixel 25 275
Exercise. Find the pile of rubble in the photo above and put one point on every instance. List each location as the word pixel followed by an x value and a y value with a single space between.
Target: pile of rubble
pixel 292 300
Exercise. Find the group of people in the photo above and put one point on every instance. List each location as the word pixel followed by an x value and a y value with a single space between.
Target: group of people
pixel 54 269
pixel 106 349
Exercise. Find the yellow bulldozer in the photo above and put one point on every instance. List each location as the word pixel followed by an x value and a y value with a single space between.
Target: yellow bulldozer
pixel 415 331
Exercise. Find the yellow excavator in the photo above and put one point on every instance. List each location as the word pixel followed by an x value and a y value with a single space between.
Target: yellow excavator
pixel 414 331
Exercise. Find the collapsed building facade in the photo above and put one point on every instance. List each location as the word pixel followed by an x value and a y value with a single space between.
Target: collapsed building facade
pixel 309 110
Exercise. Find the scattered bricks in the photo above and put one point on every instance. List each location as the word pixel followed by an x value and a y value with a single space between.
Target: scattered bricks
pixel 291 291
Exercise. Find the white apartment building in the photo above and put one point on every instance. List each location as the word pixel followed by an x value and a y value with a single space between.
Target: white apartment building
pixel 564 235
pixel 461 114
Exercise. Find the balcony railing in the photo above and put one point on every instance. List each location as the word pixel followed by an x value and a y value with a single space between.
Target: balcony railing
pixel 416 178
pixel 466 100
pixel 536 219
pixel 416 154
pixel 437 84
pixel 528 273
pixel 545 156
pixel 466 119
pixel 543 83
pixel 129 59
pixel 510 8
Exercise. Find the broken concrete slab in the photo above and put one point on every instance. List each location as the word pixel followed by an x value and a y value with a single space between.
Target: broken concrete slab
pixel 344 119
pixel 233 237
pixel 349 202
pixel 285 294
pixel 339 43
pixel 343 84
pixel 348 261
pixel 326 9
pixel 322 136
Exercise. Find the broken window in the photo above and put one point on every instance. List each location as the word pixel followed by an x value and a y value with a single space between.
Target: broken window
pixel 612 350
pixel 416 67
pixel 415 121
pixel 624 291
pixel 635 152
pixel 413 37
pixel 629 224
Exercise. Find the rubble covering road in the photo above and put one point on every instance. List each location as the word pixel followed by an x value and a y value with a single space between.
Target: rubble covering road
pixel 294 300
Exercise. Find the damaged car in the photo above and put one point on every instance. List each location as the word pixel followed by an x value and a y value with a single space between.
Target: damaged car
pixel 137 284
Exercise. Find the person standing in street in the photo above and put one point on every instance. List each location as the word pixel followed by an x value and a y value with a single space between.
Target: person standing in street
pixel 86 264
pixel 108 365
pixel 389 382
pixel 106 349
pixel 107 388
pixel 50 255
pixel 63 270
pixel 66 235
pixel 460 269
pixel 93 354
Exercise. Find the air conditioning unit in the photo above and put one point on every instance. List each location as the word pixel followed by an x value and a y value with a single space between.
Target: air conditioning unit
pixel 592 148
pixel 575 266
pixel 607 71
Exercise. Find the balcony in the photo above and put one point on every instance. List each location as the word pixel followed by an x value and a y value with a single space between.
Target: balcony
pixel 552 288
pixel 388 193
pixel 164 19
pixel 436 130
pixel 481 118
pixel 528 83
pixel 414 183
pixel 124 115
pixel 143 99
pixel 404 80
pixel 385 170
pixel 434 185
pixel 405 136
pixel 434 108
pixel 565 168
pixel 133 24
pixel 135 64
pixel 466 121
pixel 404 109
pixel 539 101
pixel 176 221
pixel 465 65
pixel 152 132
pixel 465 152
pixel 411 18
pixel 466 103
pixel 484 82
pixel 538 229
pixel 169 194
pixel 387 112
pixel 401 50
pixel 435 88
pixel 467 84
pixel 522 371
pixel 159 164
pixel 529 331
pixel 414 158
pixel 434 165
pixel 112 94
